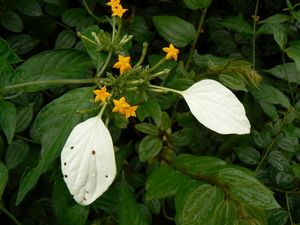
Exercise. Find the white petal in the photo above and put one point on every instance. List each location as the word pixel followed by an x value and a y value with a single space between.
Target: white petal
pixel 216 107
pixel 88 161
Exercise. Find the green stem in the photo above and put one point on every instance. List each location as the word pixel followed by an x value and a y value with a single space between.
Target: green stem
pixel 159 88
pixel 254 35
pixel 10 215
pixel 288 207
pixel 287 77
pixel 13 96
pixel 157 64
pixel 60 81
pixel 145 45
pixel 105 65
pixel 200 25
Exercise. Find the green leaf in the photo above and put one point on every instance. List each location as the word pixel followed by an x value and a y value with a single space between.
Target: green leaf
pixel 269 109
pixel 7 75
pixel 65 39
pixel 129 212
pixel 277 216
pixel 140 31
pixel 149 147
pixel 201 205
pixel 256 212
pixel 164 182
pixel 291 72
pixel 24 117
pixel 182 137
pixel 8 119
pixel 29 7
pixel 232 80
pixel 84 23
pixel 71 17
pixel 287 143
pixel 248 155
pixel 280 37
pixel 53 65
pixel 269 93
pixel 3 178
pixel 174 30
pixel 285 179
pixel 251 191
pixel 11 21
pixel 277 18
pixel 197 4
pixel 98 58
pixel 166 122
pixel 150 108
pixel 147 128
pixel 195 164
pixel 53 126
pixel 225 213
pixel 294 55
pixel 42 25
pixel 153 205
pixel 5 49
pixel 76 214
pixel 22 43
pixel 278 161
pixel 16 152
pixel 237 23
pixel 227 175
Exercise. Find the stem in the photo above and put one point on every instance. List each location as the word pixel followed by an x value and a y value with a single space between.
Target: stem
pixel 288 207
pixel 254 36
pixel 145 45
pixel 157 64
pixel 164 211
pixel 13 96
pixel 200 25
pixel 60 81
pixel 105 65
pixel 164 89
pixel 9 215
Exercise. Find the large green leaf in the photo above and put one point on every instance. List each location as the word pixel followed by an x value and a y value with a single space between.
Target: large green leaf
pixel 174 30
pixel 53 125
pixel 201 204
pixel 3 178
pixel 16 153
pixel 251 191
pixel 150 108
pixel 29 7
pixel 197 4
pixel 5 49
pixel 269 93
pixel 237 23
pixel 164 182
pixel 22 43
pixel 11 21
pixel 225 213
pixel 129 212
pixel 291 74
pixel 53 65
pixel 76 214
pixel 8 119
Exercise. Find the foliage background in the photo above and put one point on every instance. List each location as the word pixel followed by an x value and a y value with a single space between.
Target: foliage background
pixel 271 150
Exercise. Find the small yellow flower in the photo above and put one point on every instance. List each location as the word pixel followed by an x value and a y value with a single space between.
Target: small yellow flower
pixel 101 94
pixel 172 52
pixel 256 18
pixel 123 64
pixel 113 3
pixel 120 105
pixel 130 111
pixel 118 11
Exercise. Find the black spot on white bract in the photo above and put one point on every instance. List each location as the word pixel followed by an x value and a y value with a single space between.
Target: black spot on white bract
pixel 93 152
pixel 66 176
pixel 71 147
pixel 84 199
pixel 106 176
pixel 65 163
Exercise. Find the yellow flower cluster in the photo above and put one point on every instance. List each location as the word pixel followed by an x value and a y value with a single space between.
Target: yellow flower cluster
pixel 116 7
pixel 121 105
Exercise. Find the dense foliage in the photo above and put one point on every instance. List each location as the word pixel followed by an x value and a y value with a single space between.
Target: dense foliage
pixel 166 92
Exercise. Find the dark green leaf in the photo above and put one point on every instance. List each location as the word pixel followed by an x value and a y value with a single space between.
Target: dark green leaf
pixel 52 65
pixel 16 153
pixel 8 119
pixel 182 84
pixel 164 182
pixel 65 39
pixel 147 128
pixel 225 213
pixel 140 32
pixel 277 18
pixel 42 25
pixel 3 178
pixel 285 179
pixel 24 117
pixel 22 43
pixel 248 155
pixel 269 109
pixel 256 212
pixel 227 175
pixel 84 23
pixel 153 205
pixel 150 108
pixel 294 55
pixel 174 30
pixel 129 211
pixel 182 137
pixel 280 37
pixel 278 161
pixel 251 191
pixel 5 49
pixel 197 4
pixel 201 205
pixel 53 125
pixel 237 23
pixel 136 179
pixel 76 214
pixel 149 147
pixel 11 21
pixel 277 216
pixel 71 17
pixel 166 122
pixel 7 75
pixel 291 72
pixel 29 7
pixel 232 80
pixel 269 93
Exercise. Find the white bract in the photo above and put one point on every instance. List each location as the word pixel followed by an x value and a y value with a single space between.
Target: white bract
pixel 88 161
pixel 216 107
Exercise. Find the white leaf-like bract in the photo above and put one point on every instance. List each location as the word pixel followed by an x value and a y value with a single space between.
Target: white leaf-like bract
pixel 216 107
pixel 88 161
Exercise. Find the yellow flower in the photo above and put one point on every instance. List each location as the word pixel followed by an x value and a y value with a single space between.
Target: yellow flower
pixel 113 3
pixel 118 11
pixel 101 94
pixel 123 64
pixel 130 111
pixel 172 52
pixel 120 106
